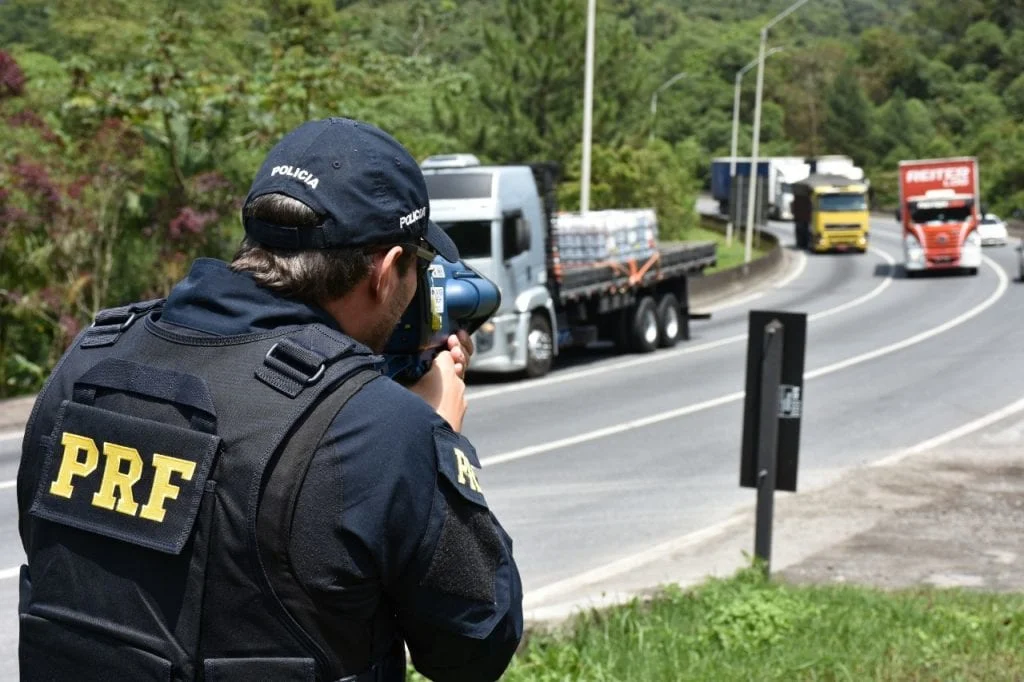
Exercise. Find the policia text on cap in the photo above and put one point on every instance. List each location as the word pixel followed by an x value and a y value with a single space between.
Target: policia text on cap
pixel 221 484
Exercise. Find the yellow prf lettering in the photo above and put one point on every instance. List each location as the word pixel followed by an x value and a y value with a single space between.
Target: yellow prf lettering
pixel 71 466
pixel 121 482
pixel 163 489
pixel 467 475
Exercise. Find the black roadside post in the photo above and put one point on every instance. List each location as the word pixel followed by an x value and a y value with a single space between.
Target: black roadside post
pixel 767 445
pixel 773 406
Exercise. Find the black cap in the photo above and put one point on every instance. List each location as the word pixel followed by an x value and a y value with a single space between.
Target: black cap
pixel 366 185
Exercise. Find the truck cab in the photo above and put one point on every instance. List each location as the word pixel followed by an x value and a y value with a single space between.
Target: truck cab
pixel 939 212
pixel 831 214
pixel 943 222
pixel 496 216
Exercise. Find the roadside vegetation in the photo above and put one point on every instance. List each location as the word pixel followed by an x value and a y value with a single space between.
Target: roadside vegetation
pixel 131 128
pixel 748 628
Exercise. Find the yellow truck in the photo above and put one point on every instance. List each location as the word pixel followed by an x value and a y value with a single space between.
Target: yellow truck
pixel 830 213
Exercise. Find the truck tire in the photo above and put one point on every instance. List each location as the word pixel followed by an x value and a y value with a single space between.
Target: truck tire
pixel 539 346
pixel 670 326
pixel 644 332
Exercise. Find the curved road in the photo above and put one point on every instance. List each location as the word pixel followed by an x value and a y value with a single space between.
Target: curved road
pixel 611 455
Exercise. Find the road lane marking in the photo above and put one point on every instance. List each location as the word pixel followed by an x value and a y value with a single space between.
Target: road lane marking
pixel 951 435
pixel 796 273
pixel 537 598
pixel 574 375
pixel 631 425
pixel 13 436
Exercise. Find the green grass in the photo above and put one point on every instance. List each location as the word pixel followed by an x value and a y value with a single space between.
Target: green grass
pixel 748 628
pixel 728 256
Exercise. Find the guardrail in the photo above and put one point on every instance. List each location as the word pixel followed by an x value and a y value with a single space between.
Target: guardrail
pixel 723 281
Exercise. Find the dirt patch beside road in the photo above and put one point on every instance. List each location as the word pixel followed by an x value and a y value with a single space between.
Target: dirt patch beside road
pixel 954 518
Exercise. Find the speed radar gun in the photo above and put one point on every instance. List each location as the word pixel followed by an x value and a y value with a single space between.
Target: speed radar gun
pixel 449 297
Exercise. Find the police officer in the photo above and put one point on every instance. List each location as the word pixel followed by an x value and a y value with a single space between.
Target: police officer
pixel 223 485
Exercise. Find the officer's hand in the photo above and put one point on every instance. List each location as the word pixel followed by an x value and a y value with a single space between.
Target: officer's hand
pixel 461 346
pixel 444 390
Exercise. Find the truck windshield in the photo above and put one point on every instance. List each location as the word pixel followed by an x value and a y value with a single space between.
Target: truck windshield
pixel 941 215
pixel 458 185
pixel 473 237
pixel 842 202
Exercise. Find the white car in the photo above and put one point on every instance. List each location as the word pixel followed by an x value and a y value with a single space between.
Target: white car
pixel 992 230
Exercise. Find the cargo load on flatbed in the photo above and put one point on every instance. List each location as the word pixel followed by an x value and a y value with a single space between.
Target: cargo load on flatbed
pixel 566 279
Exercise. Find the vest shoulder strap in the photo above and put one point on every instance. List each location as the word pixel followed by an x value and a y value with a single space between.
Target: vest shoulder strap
pixel 277 509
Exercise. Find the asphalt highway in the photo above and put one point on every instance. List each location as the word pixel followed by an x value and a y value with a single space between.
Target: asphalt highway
pixel 611 455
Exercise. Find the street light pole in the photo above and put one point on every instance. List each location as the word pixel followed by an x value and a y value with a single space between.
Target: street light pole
pixel 735 135
pixel 588 108
pixel 751 196
pixel 654 97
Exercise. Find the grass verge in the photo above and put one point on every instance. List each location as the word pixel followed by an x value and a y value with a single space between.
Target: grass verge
pixel 749 628
pixel 728 256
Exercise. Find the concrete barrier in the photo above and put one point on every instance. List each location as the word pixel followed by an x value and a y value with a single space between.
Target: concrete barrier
pixel 706 288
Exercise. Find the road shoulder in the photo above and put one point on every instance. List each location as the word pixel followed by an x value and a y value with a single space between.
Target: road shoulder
pixel 952 516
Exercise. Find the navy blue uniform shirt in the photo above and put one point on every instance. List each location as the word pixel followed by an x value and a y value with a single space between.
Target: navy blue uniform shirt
pixel 391 515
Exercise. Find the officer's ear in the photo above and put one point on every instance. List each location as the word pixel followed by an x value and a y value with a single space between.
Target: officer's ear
pixel 385 276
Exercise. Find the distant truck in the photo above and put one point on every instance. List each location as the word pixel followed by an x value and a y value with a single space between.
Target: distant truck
pixel 721 181
pixel 778 173
pixel 504 221
pixel 830 213
pixel 791 169
pixel 940 210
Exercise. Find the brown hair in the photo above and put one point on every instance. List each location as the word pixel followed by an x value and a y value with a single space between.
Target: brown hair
pixel 311 275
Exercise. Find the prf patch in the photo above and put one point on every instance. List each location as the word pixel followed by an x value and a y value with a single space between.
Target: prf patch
pixel 458 462
pixel 127 478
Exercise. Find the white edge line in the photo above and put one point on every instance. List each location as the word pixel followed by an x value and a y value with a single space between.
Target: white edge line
pixel 536 597
pixel 1004 283
pixel 609 431
pixel 8 573
pixel 542 448
pixel 664 355
pixel 12 435
pixel 951 435
pixel 725 305
pixel 802 257
pixel 877 291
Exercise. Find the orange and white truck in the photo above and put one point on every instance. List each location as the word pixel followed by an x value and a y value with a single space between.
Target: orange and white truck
pixel 940 209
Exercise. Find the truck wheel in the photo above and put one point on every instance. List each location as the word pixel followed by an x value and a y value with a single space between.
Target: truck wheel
pixel 669 323
pixel 644 332
pixel 539 346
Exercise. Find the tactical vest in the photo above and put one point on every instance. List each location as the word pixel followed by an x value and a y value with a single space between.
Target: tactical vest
pixel 156 493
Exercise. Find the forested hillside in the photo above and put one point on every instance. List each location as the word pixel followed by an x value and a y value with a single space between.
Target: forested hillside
pixel 131 128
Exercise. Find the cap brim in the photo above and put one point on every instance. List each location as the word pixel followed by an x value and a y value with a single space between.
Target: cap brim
pixel 441 242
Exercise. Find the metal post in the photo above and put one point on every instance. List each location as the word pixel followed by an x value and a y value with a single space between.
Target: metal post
pixel 735 134
pixel 588 108
pixel 732 154
pixel 751 194
pixel 767 440
pixel 757 120
pixel 654 98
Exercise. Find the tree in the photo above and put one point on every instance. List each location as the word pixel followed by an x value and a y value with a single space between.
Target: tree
pixel 849 116
pixel 527 98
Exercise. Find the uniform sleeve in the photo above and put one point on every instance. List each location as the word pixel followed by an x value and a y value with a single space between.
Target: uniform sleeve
pixel 401 496
pixel 460 597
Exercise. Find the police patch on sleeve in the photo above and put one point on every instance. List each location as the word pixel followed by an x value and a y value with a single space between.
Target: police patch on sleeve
pixel 127 478
pixel 458 462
